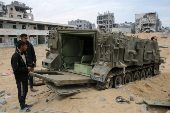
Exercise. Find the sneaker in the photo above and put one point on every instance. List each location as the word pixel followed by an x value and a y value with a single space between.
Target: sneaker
pixel 25 110
pixel 28 105
pixel 34 90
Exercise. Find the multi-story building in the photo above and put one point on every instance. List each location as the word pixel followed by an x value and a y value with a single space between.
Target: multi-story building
pixel 15 20
pixel 147 22
pixel 81 24
pixel 105 21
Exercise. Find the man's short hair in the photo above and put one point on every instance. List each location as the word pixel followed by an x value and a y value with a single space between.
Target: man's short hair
pixel 153 37
pixel 20 43
pixel 22 35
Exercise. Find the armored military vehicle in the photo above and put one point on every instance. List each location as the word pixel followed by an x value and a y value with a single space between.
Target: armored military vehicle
pixel 89 56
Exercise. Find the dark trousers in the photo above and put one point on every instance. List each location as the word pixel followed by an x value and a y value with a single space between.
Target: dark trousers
pixel 22 92
pixel 31 81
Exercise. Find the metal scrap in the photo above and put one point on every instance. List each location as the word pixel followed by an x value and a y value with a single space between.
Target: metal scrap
pixel 119 99
pixel 78 98
pixel 156 102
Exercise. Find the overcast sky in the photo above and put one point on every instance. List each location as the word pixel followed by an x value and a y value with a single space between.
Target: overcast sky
pixel 62 11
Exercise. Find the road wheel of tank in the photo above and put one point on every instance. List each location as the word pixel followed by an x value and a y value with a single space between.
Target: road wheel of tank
pixel 117 81
pixel 128 78
pixel 149 72
pixel 156 70
pixel 136 75
pixel 143 74
pixel 109 83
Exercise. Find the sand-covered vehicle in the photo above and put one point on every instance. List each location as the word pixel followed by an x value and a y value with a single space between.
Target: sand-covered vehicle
pixel 89 56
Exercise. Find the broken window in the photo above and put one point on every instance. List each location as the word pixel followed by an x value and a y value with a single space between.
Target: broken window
pixel 23 27
pixel 11 8
pixel 34 27
pixel 1 26
pixel 0 40
pixel 19 16
pixel 14 26
pixel 49 28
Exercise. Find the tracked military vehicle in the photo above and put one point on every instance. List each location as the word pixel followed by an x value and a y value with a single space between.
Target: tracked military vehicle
pixel 88 56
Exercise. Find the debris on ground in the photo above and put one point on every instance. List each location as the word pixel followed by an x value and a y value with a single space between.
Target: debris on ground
pixel 163 90
pixel 144 109
pixel 140 102
pixel 131 98
pixel 8 93
pixel 119 99
pixel 78 98
pixel 2 91
pixel 120 86
pixel 102 99
pixel 48 111
pixel 1 105
pixel 34 112
pixel 147 84
pixel 3 110
pixel 15 107
pixel 156 102
pixel 2 101
pixel 123 90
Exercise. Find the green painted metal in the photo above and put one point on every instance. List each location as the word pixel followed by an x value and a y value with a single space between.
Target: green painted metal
pixel 86 69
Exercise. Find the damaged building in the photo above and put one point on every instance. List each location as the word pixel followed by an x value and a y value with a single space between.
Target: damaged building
pixel 105 21
pixel 147 22
pixel 127 27
pixel 15 20
pixel 82 24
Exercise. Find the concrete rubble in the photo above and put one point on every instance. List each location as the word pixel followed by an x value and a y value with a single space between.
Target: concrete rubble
pixel 15 107
pixel 131 98
pixel 102 99
pixel 163 90
pixel 147 84
pixel 144 109
pixel 2 91
pixel 3 110
pixel 147 22
pixel 2 101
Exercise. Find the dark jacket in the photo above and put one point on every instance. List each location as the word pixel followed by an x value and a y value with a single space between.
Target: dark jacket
pixel 19 67
pixel 30 53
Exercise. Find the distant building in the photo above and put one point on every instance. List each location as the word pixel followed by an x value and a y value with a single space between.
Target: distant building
pixel 127 27
pixel 147 22
pixel 81 24
pixel 105 21
pixel 14 20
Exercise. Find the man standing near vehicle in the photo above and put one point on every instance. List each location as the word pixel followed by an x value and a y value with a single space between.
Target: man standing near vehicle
pixel 21 69
pixel 31 58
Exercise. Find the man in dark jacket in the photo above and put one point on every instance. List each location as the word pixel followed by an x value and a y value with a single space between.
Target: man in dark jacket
pixel 21 69
pixel 31 57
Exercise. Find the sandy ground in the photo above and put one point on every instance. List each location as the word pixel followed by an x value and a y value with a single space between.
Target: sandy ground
pixel 90 102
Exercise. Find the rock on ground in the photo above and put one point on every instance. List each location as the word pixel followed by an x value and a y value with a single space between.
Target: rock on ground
pixel 2 91
pixel 144 109
pixel 131 98
pixel 2 101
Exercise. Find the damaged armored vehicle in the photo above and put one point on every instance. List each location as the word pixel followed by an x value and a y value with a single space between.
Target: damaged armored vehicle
pixel 77 57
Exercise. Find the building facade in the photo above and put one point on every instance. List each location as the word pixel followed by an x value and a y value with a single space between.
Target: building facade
pixel 81 24
pixel 11 27
pixel 105 21
pixel 147 22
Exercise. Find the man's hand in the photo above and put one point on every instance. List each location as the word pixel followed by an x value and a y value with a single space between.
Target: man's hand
pixel 30 69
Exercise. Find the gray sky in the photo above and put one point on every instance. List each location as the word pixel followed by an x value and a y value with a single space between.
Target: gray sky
pixel 62 11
